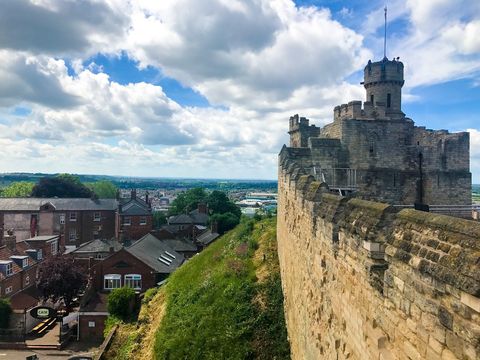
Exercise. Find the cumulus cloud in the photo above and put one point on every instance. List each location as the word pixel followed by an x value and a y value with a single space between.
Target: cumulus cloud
pixel 61 27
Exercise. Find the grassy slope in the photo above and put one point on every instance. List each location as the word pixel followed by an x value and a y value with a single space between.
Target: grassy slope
pixel 225 303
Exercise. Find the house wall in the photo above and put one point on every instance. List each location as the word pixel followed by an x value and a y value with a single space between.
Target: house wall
pixel 135 230
pixel 95 332
pixel 362 281
pixel 123 263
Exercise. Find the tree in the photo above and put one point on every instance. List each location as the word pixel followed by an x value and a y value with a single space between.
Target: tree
pixel 225 222
pixel 103 189
pixel 5 312
pixel 18 189
pixel 187 201
pixel 60 278
pixel 120 302
pixel 62 186
pixel 158 219
pixel 219 203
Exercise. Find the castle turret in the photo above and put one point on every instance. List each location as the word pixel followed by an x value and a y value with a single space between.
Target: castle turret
pixel 383 81
pixel 300 131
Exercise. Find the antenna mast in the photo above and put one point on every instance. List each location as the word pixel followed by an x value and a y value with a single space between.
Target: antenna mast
pixel 385 36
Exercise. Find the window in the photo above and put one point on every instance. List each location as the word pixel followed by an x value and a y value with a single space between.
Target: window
pixel 73 216
pixel 143 220
pixel 39 254
pixel 62 219
pixel 72 235
pixel 371 99
pixel 53 247
pixel 134 281
pixel 9 269
pixel 25 263
pixel 8 290
pixel 389 100
pixel 96 216
pixel 127 220
pixel 112 281
pixel 27 280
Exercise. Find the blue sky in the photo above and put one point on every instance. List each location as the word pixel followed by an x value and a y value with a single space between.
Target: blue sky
pixel 204 88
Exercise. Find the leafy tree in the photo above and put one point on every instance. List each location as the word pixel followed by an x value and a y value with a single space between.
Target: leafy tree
pixel 219 203
pixel 159 219
pixel 59 277
pixel 18 189
pixel 103 189
pixel 225 222
pixel 187 201
pixel 5 312
pixel 120 302
pixel 62 186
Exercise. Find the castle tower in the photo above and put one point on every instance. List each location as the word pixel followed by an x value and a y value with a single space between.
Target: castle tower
pixel 383 81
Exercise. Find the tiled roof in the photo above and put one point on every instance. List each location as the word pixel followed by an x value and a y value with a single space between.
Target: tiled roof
pixel 43 238
pixel 98 245
pixel 180 244
pixel 135 206
pixel 156 254
pixel 207 237
pixel 65 204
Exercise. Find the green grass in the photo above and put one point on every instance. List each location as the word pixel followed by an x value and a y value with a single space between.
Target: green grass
pixel 212 306
pixel 224 303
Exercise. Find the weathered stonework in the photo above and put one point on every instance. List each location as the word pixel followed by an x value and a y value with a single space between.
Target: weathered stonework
pixel 364 281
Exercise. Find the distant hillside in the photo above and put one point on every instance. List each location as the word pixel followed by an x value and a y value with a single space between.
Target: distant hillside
pixel 225 303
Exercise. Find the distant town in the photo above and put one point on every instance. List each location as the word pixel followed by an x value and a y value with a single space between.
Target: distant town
pixel 67 241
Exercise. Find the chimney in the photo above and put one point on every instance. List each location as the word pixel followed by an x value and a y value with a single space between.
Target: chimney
pixel 133 194
pixel 11 240
pixel 214 227
pixel 33 225
pixel 202 208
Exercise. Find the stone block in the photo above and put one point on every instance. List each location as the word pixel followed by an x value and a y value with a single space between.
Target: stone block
pixel 435 345
pixel 471 301
pixel 448 355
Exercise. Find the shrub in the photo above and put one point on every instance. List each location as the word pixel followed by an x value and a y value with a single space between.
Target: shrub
pixel 5 312
pixel 120 302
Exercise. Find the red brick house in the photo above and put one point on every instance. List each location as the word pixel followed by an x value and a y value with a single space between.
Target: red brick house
pixel 134 218
pixel 141 266
pixel 18 272
pixel 76 220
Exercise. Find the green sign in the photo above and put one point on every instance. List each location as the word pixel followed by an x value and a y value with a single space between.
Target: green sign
pixel 43 312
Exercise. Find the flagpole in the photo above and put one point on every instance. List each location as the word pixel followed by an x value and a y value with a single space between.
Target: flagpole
pixel 385 36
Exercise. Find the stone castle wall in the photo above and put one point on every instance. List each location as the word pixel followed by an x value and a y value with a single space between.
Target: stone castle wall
pixel 362 281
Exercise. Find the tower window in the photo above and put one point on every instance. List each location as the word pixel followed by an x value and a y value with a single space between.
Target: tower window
pixel 371 99
pixel 389 100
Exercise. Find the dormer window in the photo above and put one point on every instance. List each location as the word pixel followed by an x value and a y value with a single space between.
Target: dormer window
pixel 9 269
pixel 25 263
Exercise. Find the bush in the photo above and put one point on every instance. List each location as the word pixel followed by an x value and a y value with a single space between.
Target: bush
pixel 5 312
pixel 120 302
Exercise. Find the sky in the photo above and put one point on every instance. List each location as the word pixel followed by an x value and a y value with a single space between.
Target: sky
pixel 205 88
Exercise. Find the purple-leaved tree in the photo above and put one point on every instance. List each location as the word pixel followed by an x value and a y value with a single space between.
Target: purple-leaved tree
pixel 60 278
